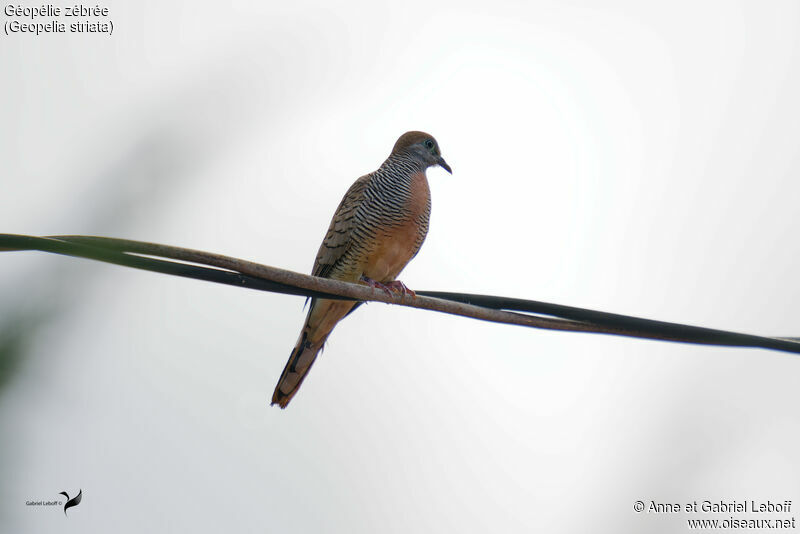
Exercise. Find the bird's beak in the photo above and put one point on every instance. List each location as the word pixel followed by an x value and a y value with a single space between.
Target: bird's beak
pixel 443 164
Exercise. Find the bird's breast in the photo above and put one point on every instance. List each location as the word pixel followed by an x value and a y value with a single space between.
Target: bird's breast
pixel 400 239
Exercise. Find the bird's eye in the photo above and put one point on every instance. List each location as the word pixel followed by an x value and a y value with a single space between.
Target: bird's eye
pixel 429 144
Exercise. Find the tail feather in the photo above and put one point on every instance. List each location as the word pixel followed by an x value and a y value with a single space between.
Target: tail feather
pixel 298 366
pixel 323 315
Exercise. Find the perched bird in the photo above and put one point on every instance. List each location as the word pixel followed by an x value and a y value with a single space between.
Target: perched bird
pixel 378 227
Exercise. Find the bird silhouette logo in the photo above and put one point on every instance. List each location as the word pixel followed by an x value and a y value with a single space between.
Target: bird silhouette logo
pixel 75 501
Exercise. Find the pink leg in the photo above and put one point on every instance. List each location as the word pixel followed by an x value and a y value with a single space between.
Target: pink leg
pixel 397 285
pixel 373 284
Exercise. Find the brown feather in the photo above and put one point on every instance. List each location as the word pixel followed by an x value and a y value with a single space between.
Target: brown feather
pixel 339 236
pixel 408 139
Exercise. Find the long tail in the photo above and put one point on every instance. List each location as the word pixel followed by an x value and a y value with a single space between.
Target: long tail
pixel 323 315
pixel 298 366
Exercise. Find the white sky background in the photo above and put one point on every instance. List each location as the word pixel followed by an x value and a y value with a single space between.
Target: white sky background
pixel 623 156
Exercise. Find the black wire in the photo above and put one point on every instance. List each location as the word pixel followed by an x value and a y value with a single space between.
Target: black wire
pixel 692 334
pixel 105 249
pixel 186 270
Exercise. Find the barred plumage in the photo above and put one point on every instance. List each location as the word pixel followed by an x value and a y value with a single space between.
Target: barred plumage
pixel 381 202
pixel 377 229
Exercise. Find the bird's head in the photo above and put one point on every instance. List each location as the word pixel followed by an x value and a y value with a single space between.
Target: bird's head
pixel 423 147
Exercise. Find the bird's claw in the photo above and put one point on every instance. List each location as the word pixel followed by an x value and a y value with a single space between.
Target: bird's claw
pixel 395 286
pixel 400 287
pixel 373 284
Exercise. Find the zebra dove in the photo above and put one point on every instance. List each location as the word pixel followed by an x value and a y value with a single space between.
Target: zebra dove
pixel 377 229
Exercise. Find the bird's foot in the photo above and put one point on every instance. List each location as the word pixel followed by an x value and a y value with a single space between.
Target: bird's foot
pixel 395 286
pixel 373 284
pixel 400 287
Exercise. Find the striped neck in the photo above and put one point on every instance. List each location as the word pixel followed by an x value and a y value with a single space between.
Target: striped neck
pixel 403 162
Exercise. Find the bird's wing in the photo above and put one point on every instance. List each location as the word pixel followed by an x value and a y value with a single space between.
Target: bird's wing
pixel 340 233
pixel 323 314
